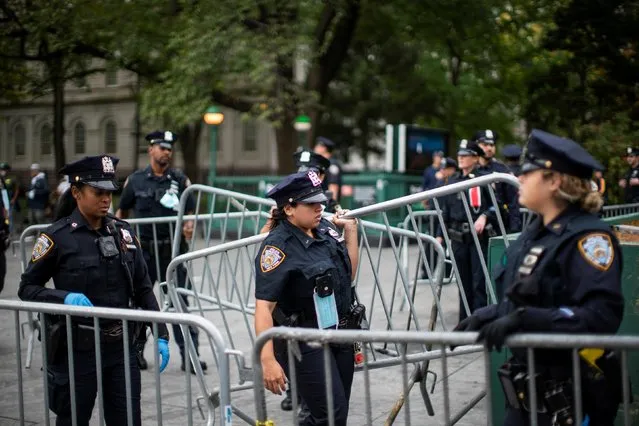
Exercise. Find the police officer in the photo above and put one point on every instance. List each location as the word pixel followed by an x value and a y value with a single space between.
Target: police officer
pixel 505 194
pixel 4 236
pixel 511 154
pixel 12 186
pixel 464 250
pixel 563 275
pixel 155 192
pixel 94 260
pixel 333 180
pixel 630 181
pixel 307 263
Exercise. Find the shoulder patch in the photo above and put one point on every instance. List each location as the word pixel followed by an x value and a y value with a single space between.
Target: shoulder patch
pixel 271 258
pixel 598 250
pixel 43 245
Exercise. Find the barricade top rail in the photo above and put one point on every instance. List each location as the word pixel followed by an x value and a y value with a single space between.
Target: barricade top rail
pixel 433 193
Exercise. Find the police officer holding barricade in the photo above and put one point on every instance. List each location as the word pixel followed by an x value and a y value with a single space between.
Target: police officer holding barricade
pixel 562 275
pixel 155 192
pixel 464 249
pixel 94 260
pixel 505 194
pixel 304 271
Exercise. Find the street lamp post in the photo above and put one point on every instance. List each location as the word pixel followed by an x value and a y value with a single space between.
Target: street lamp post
pixel 302 125
pixel 213 117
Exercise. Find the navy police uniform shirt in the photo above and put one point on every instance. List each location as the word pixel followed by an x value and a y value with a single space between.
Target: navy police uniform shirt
pixel 577 261
pixel 68 252
pixel 143 192
pixel 289 262
pixel 334 176
pixel 631 192
pixel 506 195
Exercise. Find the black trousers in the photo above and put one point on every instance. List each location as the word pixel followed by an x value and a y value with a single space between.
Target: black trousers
pixel 311 380
pixel 471 274
pixel 165 259
pixel 86 387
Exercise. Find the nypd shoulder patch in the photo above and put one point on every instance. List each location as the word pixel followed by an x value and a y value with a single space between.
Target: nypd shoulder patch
pixel 43 245
pixel 598 250
pixel 271 258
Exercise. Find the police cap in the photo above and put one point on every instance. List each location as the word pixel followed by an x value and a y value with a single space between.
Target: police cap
pixel 164 138
pixel 511 151
pixel 305 160
pixel 329 144
pixel 550 152
pixel 448 162
pixel 467 148
pixel 97 171
pixel 486 136
pixel 632 151
pixel 301 187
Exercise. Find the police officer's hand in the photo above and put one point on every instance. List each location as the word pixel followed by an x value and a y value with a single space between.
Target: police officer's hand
pixel 187 229
pixel 471 323
pixel 480 224
pixel 274 377
pixel 163 350
pixel 622 183
pixel 634 181
pixel 77 299
pixel 340 222
pixel 494 333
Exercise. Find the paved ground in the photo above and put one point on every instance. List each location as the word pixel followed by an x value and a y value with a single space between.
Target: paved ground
pixel 465 373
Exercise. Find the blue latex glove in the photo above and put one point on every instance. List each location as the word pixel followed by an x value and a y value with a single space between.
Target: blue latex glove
pixel 163 350
pixel 77 299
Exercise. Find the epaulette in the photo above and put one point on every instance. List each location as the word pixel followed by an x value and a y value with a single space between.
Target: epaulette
pixel 57 225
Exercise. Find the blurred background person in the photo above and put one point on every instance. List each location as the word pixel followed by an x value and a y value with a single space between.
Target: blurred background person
pixel 37 195
pixel 333 181
pixel 630 181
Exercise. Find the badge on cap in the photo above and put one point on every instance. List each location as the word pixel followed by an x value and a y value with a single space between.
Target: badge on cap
pixel 629 150
pixel 489 134
pixel 43 245
pixel 314 178
pixel 597 249
pixel 107 165
pixel 271 258
pixel 305 157
pixel 463 143
pixel 168 136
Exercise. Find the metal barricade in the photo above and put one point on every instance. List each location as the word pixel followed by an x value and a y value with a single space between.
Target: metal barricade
pixel 620 210
pixel 365 392
pixel 221 397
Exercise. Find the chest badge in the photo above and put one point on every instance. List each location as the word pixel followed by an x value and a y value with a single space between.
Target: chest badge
pixel 271 258
pixel 333 233
pixel 597 250
pixel 126 236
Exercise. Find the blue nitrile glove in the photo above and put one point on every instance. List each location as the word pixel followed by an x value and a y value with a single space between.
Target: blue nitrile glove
pixel 77 299
pixel 163 350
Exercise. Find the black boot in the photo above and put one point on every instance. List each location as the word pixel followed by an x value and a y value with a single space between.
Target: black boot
pixel 287 402
pixel 203 366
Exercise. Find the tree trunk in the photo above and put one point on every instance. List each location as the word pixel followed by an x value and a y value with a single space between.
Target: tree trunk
pixel 286 145
pixel 56 73
pixel 189 137
pixel 138 124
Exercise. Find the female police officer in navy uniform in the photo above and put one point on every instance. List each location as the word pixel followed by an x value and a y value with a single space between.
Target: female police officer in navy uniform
pixel 562 275
pixel 304 272
pixel 94 260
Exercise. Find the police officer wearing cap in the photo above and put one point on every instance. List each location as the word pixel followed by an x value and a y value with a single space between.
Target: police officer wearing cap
pixel 333 181
pixel 94 259
pixel 305 160
pixel 511 154
pixel 465 252
pixel 505 194
pixel 630 181
pixel 304 271
pixel 155 192
pixel 562 275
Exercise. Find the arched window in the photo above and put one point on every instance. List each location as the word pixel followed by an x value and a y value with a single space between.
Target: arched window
pixel 110 137
pixel 20 140
pixel 46 145
pixel 79 138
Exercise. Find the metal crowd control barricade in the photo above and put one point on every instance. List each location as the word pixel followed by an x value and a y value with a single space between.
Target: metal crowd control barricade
pixel 453 407
pixel 30 404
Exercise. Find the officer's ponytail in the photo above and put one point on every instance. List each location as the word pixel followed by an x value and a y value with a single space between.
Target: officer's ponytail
pixel 277 216
pixel 66 203
pixel 579 191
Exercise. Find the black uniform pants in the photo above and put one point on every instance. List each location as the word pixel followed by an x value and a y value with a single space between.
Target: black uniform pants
pixel 86 387
pixel 522 418
pixel 164 260
pixel 471 274
pixel 311 380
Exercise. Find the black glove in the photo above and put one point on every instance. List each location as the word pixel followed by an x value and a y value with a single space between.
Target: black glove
pixel 471 323
pixel 494 333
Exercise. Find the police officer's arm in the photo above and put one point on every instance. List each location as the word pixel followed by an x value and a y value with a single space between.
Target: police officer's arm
pixel 596 304
pixel 144 297
pixel 334 180
pixel 127 200
pixel 187 227
pixel 41 268
pixel 350 239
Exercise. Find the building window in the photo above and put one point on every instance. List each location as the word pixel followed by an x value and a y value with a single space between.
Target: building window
pixel 20 140
pixel 79 139
pixel 250 135
pixel 46 146
pixel 111 77
pixel 110 137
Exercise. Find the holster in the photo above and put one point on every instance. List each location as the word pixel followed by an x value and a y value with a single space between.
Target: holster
pixel 281 319
pixel 56 339
pixel 355 319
